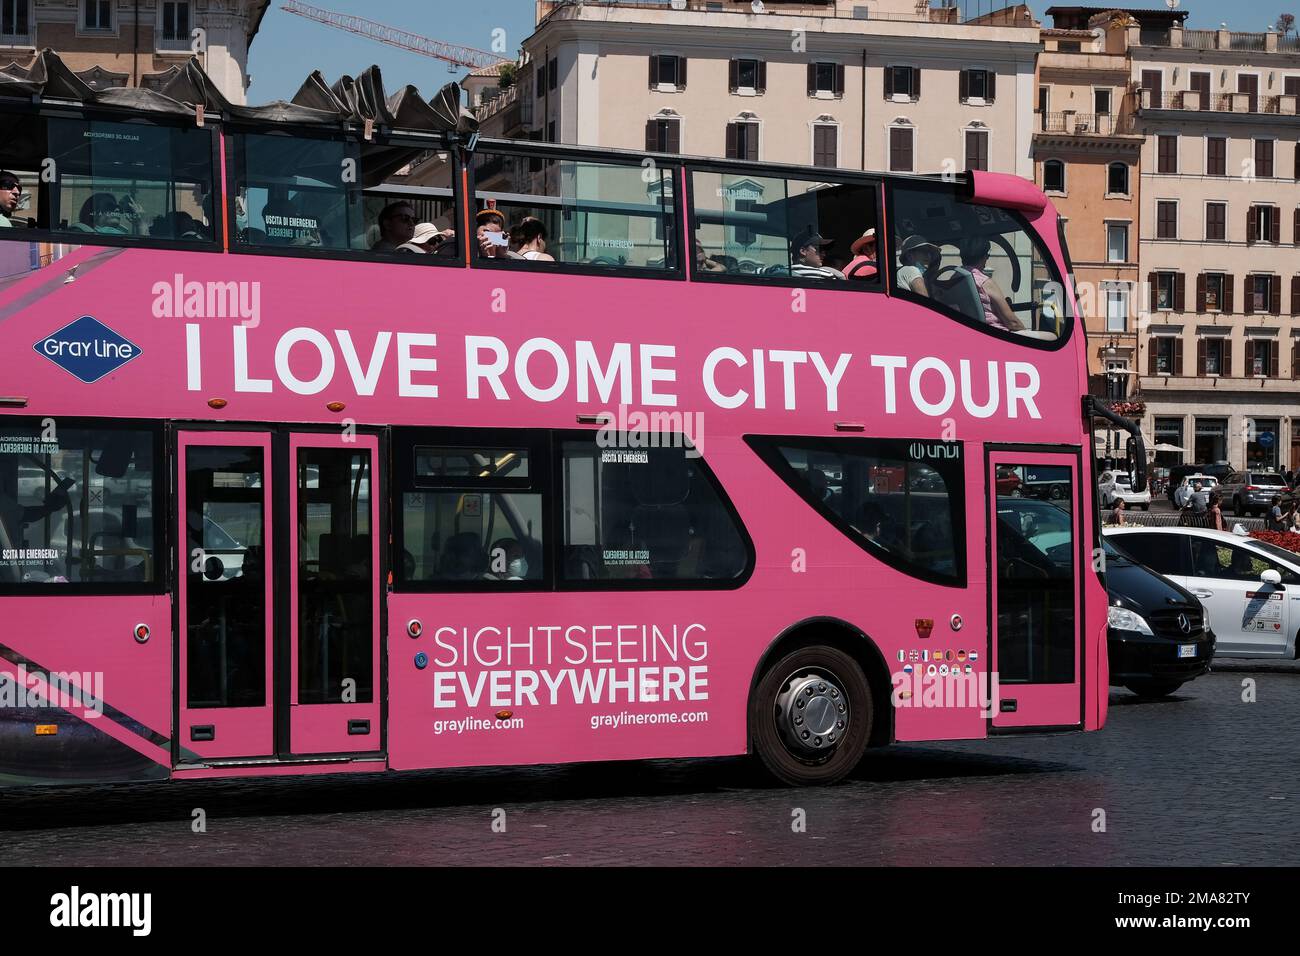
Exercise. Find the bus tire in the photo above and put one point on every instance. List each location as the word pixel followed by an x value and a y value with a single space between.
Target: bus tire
pixel 810 716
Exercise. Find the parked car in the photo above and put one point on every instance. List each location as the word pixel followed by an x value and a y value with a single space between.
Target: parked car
pixel 1156 636
pixel 1252 492
pixel 1208 483
pixel 1115 486
pixel 1218 471
pixel 1250 588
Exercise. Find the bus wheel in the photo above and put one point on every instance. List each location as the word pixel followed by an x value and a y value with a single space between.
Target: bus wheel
pixel 811 716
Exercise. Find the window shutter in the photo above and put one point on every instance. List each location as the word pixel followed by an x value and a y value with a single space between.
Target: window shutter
pixel 1200 292
pixel 1295 227
pixel 654 72
pixel 1229 281
pixel 812 79
pixel 1295 358
pixel 990 86
pixel 1297 161
pixel 889 91
pixel 1152 345
pixel 1295 295
pixel 652 136
pixel 1252 216
pixel 963 86
pixel 1249 307
pixel 681 72
pixel 674 128
pixel 839 79
pixel 762 76
pixel 1275 233
pixel 1151 285
pixel 733 76
pixel 1274 349
pixel 1275 294
pixel 751 143
pixel 1178 355
pixel 916 82
pixel 1250 357
pixel 1200 358
pixel 1180 287
pixel 732 148
pixel 1225 362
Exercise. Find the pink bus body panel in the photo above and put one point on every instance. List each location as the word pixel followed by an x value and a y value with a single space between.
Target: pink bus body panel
pixel 375 324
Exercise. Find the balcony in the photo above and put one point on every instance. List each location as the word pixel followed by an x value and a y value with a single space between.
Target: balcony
pixel 1227 40
pixel 1195 101
pixel 1085 124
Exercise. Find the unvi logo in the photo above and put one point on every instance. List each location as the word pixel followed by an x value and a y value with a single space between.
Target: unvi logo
pixel 88 349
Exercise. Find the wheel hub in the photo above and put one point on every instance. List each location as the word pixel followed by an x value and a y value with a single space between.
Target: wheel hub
pixel 812 713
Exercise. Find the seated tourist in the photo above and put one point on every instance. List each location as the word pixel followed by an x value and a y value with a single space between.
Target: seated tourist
pixel 529 237
pixel 105 214
pixel 807 250
pixel 428 239
pixel 493 240
pixel 916 257
pixel 396 226
pixel 11 196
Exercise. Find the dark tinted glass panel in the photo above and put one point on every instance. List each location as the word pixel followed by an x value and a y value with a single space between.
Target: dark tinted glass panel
pixel 335 577
pixel 637 513
pixel 77 505
pixel 462 537
pixel 225 577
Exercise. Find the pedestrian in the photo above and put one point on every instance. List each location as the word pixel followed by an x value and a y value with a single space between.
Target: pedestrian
pixel 1274 522
pixel 1215 510
pixel 1117 512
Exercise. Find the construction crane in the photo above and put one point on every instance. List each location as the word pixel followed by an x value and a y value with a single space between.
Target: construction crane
pixel 451 53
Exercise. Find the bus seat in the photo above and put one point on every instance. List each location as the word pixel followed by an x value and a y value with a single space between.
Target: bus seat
pixel 957 290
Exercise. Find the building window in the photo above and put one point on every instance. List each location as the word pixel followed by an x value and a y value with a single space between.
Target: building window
pixel 1216 156
pixel 175 31
pixel 1116 309
pixel 1211 439
pixel 977 85
pixel 1261 439
pixel 900 149
pixel 1044 99
pixel 902 81
pixel 1166 154
pixel 826 147
pixel 742 140
pixel 1166 219
pixel 1264 158
pixel 1169 431
pixel 1263 294
pixel 1213 295
pixel 663 135
pixel 1101 102
pixel 1216 221
pixel 826 79
pixel 1213 356
pixel 1262 224
pixel 977 149
pixel 748 76
pixel 553 74
pixel 1054 176
pixel 1117 380
pixel 97 14
pixel 1117 242
pixel 1117 179
pixel 1261 357
pixel 15 20
pixel 1167 291
pixel 665 70
pixel 1164 355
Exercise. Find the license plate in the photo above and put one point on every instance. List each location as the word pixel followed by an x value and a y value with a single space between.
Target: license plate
pixel 1186 650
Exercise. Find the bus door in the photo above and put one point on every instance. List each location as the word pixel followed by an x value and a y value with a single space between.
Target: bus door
pixel 279 594
pixel 1034 586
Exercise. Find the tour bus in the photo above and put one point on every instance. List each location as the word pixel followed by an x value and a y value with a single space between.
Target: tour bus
pixel 631 456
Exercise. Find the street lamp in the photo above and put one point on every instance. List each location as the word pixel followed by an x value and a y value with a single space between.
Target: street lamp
pixel 1110 353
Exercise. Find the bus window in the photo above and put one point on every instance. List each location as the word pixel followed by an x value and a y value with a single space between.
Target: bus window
pixel 779 227
pixel 573 212
pixel 645 514
pixel 979 263
pixel 132 179
pixel 77 506
pixel 900 500
pixel 471 516
pixel 22 151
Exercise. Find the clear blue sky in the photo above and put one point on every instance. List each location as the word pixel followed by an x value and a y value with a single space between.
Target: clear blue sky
pixel 288 47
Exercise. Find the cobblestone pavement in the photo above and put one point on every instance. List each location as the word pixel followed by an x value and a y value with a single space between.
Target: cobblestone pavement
pixel 1202 778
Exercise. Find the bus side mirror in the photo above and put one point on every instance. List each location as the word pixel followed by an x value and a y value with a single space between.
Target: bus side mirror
pixel 1272 577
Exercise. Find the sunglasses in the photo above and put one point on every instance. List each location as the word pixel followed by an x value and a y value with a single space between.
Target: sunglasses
pixel 6 186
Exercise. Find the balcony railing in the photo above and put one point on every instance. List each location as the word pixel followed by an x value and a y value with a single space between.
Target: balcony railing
pixel 1095 124
pixel 1198 39
pixel 811 8
pixel 1282 104
pixel 1266 42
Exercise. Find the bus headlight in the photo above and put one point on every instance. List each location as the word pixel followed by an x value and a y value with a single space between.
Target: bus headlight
pixel 1122 619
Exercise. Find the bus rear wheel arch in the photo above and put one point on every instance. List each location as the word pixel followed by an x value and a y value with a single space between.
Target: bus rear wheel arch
pixel 811 715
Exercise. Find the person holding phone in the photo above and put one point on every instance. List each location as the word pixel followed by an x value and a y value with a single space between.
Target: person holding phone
pixel 493 240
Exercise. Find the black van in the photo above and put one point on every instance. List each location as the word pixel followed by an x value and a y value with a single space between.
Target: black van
pixel 1158 635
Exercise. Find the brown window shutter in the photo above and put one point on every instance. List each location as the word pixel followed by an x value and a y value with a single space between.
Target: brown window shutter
pixel 1274 348
pixel 654 71
pixel 1275 294
pixel 1249 307
pixel 889 91
pixel 1295 358
pixel 652 136
pixel 1229 282
pixel 1151 355
pixel 1200 358
pixel 1178 355
pixel 762 76
pixel 916 82
pixel 674 128
pixel 681 72
pixel 1225 362
pixel 839 79
pixel 1252 214
pixel 812 79
pixel 1295 224
pixel 733 76
pixel 1250 357
pixel 1200 292
pixel 1295 295
pixel 751 143
pixel 991 86
pixel 1151 284
pixel 732 148
pixel 963 85
pixel 1180 287
pixel 1275 233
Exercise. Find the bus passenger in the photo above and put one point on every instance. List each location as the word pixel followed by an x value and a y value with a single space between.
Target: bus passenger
pixel 506 561
pixel 493 241
pixel 917 258
pixel 529 236
pixel 863 265
pixel 704 262
pixel 103 213
pixel 806 252
pixel 427 239
pixel 997 310
pixel 396 226
pixel 11 194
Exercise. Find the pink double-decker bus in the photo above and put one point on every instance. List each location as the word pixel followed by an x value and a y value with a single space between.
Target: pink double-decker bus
pixel 334 439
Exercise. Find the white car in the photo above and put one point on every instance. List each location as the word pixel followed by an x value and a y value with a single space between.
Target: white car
pixel 1207 482
pixel 1250 589
pixel 1115 486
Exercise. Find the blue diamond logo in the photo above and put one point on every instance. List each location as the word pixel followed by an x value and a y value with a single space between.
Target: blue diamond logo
pixel 88 349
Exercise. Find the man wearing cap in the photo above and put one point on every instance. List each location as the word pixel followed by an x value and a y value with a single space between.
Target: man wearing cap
pixel 806 255
pixel 427 239
pixel 916 257
pixel 396 226
pixel 11 194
